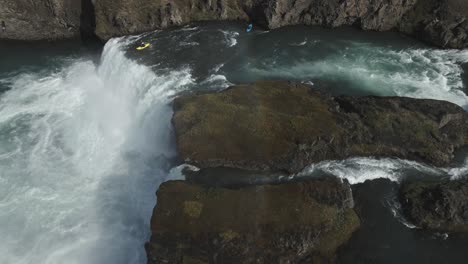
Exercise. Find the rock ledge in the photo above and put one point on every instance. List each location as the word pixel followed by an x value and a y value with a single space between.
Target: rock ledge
pixel 284 126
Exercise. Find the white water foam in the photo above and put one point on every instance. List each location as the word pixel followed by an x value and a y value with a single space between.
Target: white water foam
pixel 183 43
pixel 218 67
pixel 303 43
pixel 189 28
pixel 359 170
pixel 457 173
pixel 216 82
pixel 82 152
pixel 417 73
pixel 230 38
pixel 177 173
pixel 394 205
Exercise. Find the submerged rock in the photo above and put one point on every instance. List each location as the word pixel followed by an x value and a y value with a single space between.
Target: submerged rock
pixel 440 206
pixel 440 22
pixel 288 223
pixel 283 126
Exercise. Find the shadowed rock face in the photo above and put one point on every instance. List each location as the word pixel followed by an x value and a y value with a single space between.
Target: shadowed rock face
pixel 437 205
pixel 443 23
pixel 39 19
pixel 440 22
pixel 301 222
pixel 115 18
pixel 282 126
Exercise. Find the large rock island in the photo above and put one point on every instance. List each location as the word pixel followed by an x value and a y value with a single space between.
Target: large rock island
pixel 302 222
pixel 283 126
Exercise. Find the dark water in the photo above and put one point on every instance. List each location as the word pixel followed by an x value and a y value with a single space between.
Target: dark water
pixel 86 138
pixel 384 239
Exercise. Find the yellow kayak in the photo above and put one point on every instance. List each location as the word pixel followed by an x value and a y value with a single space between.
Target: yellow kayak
pixel 143 46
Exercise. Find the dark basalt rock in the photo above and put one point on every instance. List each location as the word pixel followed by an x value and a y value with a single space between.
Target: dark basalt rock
pixel 443 23
pixel 283 126
pixel 302 222
pixel 440 22
pixel 40 19
pixel 441 206
pixel 123 17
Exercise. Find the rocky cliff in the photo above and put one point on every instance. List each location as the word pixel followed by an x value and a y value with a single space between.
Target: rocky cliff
pixel 115 18
pixel 283 126
pixel 40 19
pixel 440 22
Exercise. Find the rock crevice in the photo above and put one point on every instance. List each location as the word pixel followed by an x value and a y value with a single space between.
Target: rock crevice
pixel 87 19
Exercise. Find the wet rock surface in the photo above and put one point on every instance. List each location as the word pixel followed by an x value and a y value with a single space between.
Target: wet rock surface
pixel 296 222
pixel 441 206
pixel 284 126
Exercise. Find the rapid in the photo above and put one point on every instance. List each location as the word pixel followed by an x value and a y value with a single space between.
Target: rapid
pixel 85 141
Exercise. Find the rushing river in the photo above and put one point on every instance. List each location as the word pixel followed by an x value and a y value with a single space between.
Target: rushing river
pixel 86 138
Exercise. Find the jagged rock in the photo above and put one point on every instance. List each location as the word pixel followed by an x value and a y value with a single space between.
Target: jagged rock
pixel 441 206
pixel 39 19
pixel 283 126
pixel 116 18
pixel 369 14
pixel 300 222
pixel 440 22
pixel 443 23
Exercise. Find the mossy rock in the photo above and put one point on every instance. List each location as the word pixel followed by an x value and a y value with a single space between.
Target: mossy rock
pixel 267 223
pixel 284 126
pixel 441 206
